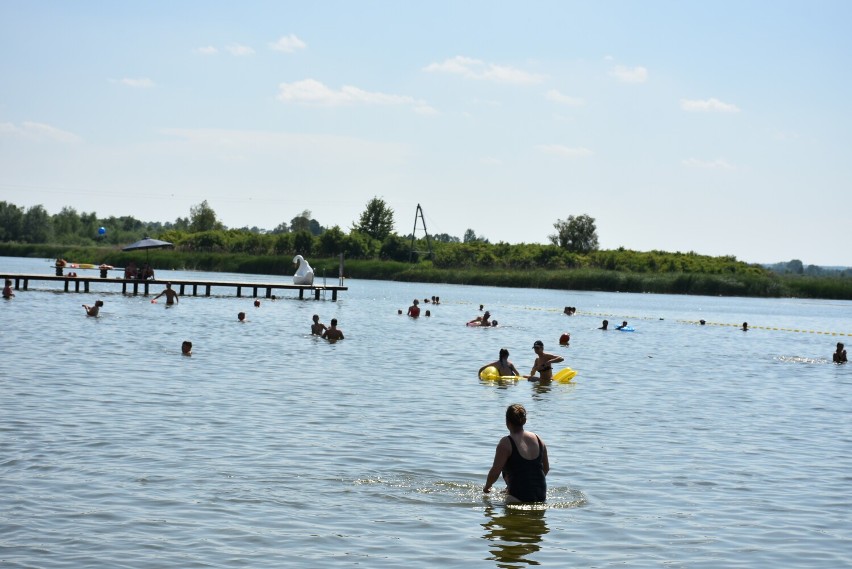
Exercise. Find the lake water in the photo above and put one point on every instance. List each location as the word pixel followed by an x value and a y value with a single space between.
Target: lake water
pixel 676 445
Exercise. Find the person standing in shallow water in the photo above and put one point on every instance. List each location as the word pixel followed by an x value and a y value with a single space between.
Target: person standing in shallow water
pixel 414 309
pixel 543 364
pixel 503 365
pixel 171 296
pixel 522 459
pixel 333 333
pixel 317 328
pixel 839 356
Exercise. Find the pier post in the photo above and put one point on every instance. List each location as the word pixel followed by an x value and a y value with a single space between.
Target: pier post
pixel 239 291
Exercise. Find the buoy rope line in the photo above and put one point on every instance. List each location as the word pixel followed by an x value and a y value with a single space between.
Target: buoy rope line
pixel 696 322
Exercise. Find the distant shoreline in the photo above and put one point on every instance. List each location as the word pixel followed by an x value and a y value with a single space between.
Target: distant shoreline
pixel 767 285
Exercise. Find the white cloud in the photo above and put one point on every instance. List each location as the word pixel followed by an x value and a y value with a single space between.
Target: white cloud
pixel 564 151
pixel 207 50
pixel 140 83
pixel 557 97
pixel 630 74
pixel 707 105
pixel 482 71
pixel 37 131
pixel 239 50
pixel 718 164
pixel 311 91
pixel 288 44
pixel 427 110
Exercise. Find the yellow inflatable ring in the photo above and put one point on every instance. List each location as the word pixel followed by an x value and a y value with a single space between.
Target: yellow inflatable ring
pixel 491 373
pixel 565 375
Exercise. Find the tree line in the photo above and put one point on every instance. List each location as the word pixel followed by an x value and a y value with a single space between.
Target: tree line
pixel 573 245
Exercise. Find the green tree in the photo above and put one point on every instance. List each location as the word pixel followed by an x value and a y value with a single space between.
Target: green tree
pixel 446 238
pixel 303 242
pixel 203 218
pixel 376 220
pixel 66 223
pixel 470 236
pixel 281 228
pixel 576 234
pixel 11 221
pixel 331 242
pixel 301 222
pixel 36 227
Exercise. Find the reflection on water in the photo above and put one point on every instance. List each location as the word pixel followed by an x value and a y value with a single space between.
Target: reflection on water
pixel 514 534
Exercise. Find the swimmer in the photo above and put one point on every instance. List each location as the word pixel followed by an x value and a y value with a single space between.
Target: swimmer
pixel 503 365
pixel 745 327
pixel 522 459
pixel 564 339
pixel 241 316
pixel 414 310
pixel 171 296
pixel 543 364
pixel 427 314
pixel 93 310
pixel 333 333
pixel 604 325
pixel 257 304
pixel 702 322
pixel 186 348
pixel 839 356
pixel 623 325
pixel 317 328
pixel 7 290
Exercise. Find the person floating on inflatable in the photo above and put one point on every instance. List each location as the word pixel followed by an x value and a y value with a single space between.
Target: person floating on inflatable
pixel 503 367
pixel 543 364
pixel 623 325
pixel 481 320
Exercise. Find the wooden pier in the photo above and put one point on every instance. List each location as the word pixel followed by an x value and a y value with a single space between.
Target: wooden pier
pixel 181 286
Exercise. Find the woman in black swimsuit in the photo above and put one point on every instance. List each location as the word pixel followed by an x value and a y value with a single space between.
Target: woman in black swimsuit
pixel 522 459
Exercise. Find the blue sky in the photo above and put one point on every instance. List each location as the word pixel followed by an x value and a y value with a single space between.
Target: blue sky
pixel 717 127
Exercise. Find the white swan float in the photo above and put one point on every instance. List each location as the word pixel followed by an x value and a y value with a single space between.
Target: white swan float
pixel 304 273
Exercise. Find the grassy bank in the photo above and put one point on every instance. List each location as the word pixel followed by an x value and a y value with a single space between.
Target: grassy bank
pixel 745 284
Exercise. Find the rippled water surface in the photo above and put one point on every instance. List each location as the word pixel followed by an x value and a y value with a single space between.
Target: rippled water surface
pixel 677 444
